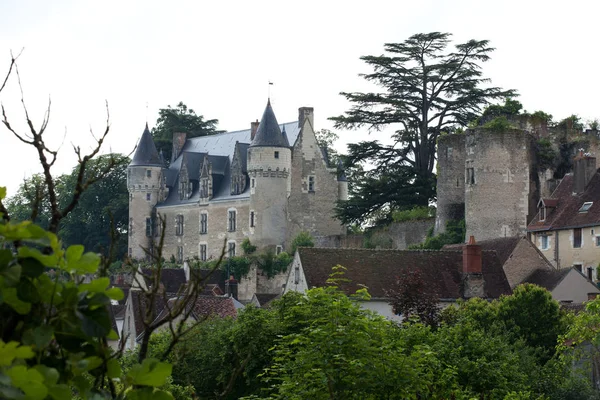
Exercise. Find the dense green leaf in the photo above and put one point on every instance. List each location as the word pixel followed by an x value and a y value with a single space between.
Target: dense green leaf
pixel 31 267
pixel 150 372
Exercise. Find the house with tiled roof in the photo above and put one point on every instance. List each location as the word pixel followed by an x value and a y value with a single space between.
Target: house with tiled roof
pixel 566 228
pixel 523 262
pixel 266 183
pixel 456 274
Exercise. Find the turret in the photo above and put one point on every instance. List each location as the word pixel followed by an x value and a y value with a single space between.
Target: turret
pixel 146 188
pixel 269 165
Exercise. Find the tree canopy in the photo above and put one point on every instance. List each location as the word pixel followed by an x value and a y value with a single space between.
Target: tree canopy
pixel 427 89
pixel 180 119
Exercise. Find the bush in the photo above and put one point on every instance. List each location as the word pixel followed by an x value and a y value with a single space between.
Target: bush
pixel 455 233
pixel 303 239
pixel 416 213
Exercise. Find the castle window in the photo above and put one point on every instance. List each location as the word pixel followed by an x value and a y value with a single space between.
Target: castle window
pixel 252 183
pixel 597 241
pixel 231 221
pixel 544 242
pixel 148 173
pixel 276 154
pixel 251 219
pixel 148 227
pixel 471 176
pixel 231 249
pixel 590 273
pixel 203 223
pixel 297 275
pixel 179 254
pixel 130 251
pixel 311 183
pixel 148 196
pixel 577 238
pixel 130 196
pixel 278 249
pixel 130 226
pixel 578 267
pixel 202 252
pixel 179 225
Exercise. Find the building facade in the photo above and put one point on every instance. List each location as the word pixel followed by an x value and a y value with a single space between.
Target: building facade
pixel 267 183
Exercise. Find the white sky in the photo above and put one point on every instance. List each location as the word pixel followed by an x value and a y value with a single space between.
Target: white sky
pixel 217 57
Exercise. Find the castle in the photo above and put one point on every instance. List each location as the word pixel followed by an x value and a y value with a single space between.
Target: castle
pixel 267 183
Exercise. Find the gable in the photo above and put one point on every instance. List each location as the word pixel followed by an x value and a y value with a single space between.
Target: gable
pixel 574 287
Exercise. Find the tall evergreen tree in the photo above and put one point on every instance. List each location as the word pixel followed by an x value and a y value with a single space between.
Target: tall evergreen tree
pixel 427 89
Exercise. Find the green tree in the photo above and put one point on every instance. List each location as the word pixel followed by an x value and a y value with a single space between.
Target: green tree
pixel 427 89
pixel 302 239
pixel 180 119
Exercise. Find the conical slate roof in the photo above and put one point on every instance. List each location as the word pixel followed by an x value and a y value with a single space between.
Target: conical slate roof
pixel 269 133
pixel 146 154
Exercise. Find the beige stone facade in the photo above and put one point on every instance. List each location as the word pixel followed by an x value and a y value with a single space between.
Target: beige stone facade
pixel 266 183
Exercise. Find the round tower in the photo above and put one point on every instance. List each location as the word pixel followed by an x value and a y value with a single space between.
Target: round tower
pixel 145 184
pixel 269 165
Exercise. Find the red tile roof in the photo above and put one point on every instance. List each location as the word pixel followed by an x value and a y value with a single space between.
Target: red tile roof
pixel 566 215
pixel 379 269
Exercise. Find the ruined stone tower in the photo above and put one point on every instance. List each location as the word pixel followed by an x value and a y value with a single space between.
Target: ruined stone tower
pixel 269 166
pixel 450 181
pixel 146 188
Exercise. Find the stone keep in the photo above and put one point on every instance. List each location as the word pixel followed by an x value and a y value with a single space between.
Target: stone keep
pixel 266 183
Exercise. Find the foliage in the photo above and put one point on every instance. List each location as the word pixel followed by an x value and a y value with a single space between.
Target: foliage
pixel 302 239
pixel 54 329
pixel 326 139
pixel 546 154
pixel 248 247
pixel 101 211
pixel 415 213
pixel 179 119
pixel 498 124
pixel 455 233
pixel 571 123
pixel 427 89
pixel 541 115
pixel 411 297
pixel 500 112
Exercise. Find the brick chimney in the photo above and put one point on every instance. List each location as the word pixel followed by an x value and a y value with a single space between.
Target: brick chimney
pixel 178 143
pixel 472 270
pixel 253 129
pixel 584 168
pixel 305 113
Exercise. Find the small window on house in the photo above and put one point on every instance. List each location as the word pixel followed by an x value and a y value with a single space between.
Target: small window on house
pixel 231 249
pixel 544 242
pixel 148 173
pixel 471 176
pixel 590 273
pixel 311 183
pixel 276 154
pixel 578 267
pixel 231 221
pixel 148 227
pixel 203 223
pixel 577 238
pixel 148 196
pixel 251 219
pixel 597 241
pixel 542 213
pixel 586 206
pixel 179 225
pixel 202 252
pixel 297 275
pixel 179 254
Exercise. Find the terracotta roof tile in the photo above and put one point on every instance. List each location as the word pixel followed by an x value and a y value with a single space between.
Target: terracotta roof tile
pixel 378 269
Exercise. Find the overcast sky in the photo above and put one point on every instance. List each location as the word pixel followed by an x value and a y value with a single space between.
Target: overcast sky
pixel 218 56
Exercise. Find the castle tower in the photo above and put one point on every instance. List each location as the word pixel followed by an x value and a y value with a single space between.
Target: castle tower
pixel 146 188
pixel 501 182
pixel 450 181
pixel 269 164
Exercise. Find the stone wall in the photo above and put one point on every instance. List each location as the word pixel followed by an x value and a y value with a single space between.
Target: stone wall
pixel 502 185
pixel 257 282
pixel 450 180
pixel 400 235
pixel 340 241
pixel 312 211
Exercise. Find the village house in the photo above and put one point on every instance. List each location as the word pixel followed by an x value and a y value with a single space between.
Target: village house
pixel 566 228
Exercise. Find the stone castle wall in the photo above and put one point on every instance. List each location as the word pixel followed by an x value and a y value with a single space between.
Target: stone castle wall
pixel 450 180
pixel 502 186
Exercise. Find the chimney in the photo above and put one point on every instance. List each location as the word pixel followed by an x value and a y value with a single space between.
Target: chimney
pixel 253 129
pixel 178 142
pixel 305 113
pixel 584 168
pixel 473 283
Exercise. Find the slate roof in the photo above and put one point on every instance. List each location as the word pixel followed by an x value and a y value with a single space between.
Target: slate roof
pixel 503 247
pixel 566 214
pixel 146 154
pixel 378 269
pixel 171 278
pixel 269 131
pixel 210 280
pixel 205 307
pixel 547 278
pixel 140 304
pixel 265 298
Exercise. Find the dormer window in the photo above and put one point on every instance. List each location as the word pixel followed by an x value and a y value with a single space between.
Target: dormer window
pixel 542 213
pixel 204 188
pixel 586 206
